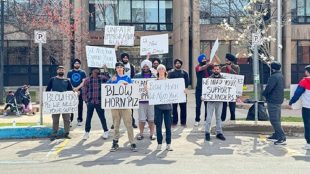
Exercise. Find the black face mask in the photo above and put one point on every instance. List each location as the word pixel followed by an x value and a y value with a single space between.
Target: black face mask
pixel 203 63
pixel 60 74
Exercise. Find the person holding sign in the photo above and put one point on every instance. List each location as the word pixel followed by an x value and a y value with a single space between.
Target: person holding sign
pixel 60 84
pixel 77 76
pixel 179 73
pixel 155 62
pixel 146 111
pixel 118 114
pixel 303 91
pixel 230 68
pixel 163 112
pixel 214 106
pixel 92 97
pixel 203 70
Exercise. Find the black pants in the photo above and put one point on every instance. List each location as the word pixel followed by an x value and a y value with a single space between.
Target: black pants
pixel 198 94
pixel 80 110
pixel 133 119
pixel 90 110
pixel 232 108
pixel 306 118
pixel 176 115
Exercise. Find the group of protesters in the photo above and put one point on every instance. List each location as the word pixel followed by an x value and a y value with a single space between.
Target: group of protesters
pixel 89 91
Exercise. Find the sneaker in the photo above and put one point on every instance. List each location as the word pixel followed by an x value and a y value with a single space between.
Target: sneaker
pixel 140 137
pixel 80 123
pixel 133 147
pixel 207 137
pixel 221 137
pixel 86 136
pixel 66 136
pixel 196 123
pixel 114 146
pixel 158 147
pixel 168 148
pixel 152 137
pixel 307 147
pixel 280 142
pixel 112 127
pixel 272 138
pixel 105 135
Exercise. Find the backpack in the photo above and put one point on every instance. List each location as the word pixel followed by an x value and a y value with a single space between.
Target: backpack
pixel 262 112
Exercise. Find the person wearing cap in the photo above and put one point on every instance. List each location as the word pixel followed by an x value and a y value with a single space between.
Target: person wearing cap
pixel 118 114
pixel 77 76
pixel 146 111
pixel 92 97
pixel 274 94
pixel 130 72
pixel 60 83
pixel 203 70
pixel 178 72
pixel 303 91
pixel 230 68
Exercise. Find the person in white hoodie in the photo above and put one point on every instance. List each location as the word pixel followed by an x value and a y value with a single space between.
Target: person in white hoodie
pixel 303 91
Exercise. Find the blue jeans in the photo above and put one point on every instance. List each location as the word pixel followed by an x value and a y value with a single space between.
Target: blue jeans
pixel 274 111
pixel 90 110
pixel 161 115
pixel 306 118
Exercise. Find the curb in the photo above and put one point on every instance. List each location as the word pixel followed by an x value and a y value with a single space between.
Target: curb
pixel 23 132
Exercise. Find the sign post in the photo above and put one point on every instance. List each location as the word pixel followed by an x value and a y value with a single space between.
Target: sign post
pixel 40 38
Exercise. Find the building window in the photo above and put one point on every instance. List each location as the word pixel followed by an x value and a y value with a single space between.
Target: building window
pixel 300 10
pixel 145 15
pixel 215 11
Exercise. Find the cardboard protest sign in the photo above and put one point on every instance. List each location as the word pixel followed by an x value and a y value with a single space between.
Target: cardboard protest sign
pixel 298 104
pixel 119 35
pixel 60 102
pixel 166 91
pixel 214 49
pixel 119 96
pixel 219 90
pixel 98 56
pixel 240 81
pixel 155 44
pixel 142 83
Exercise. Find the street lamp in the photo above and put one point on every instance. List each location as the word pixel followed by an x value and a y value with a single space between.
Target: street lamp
pixel 2 53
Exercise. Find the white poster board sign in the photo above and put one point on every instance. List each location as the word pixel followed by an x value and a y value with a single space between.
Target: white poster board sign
pixel 298 104
pixel 219 90
pixel 98 56
pixel 119 35
pixel 60 102
pixel 240 81
pixel 166 91
pixel 155 44
pixel 214 49
pixel 119 96
pixel 142 83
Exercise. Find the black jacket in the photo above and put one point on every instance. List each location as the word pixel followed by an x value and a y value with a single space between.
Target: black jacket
pixel 173 74
pixel 274 91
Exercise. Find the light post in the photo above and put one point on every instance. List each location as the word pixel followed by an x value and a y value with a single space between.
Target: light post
pixel 2 53
pixel 279 32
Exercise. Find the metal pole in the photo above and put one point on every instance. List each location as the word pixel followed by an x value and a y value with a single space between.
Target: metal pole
pixel 279 32
pixel 256 80
pixel 41 82
pixel 2 54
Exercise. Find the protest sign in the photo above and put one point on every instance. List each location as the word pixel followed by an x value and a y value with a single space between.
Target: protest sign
pixel 298 104
pixel 60 102
pixel 119 35
pixel 99 56
pixel 219 90
pixel 142 83
pixel 155 44
pixel 119 96
pixel 214 49
pixel 240 81
pixel 166 91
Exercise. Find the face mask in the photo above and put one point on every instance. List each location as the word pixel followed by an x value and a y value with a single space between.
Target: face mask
pixel 203 63
pixel 60 74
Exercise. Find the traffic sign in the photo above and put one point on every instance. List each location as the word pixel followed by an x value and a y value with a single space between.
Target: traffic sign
pixel 39 36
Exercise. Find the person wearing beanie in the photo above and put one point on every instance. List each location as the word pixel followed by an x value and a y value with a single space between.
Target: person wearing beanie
pixel 77 76
pixel 230 68
pixel 92 97
pixel 119 114
pixel 178 72
pixel 274 94
pixel 146 111
pixel 203 70
pixel 129 70
pixel 303 91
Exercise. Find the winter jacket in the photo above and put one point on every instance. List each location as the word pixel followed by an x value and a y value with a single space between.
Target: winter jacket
pixel 274 91
pixel 303 91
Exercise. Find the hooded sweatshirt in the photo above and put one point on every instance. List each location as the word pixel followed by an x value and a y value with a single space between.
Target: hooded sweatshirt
pixel 303 91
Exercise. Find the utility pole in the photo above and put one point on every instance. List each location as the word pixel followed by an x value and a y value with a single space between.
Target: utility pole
pixel 2 54
pixel 279 32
